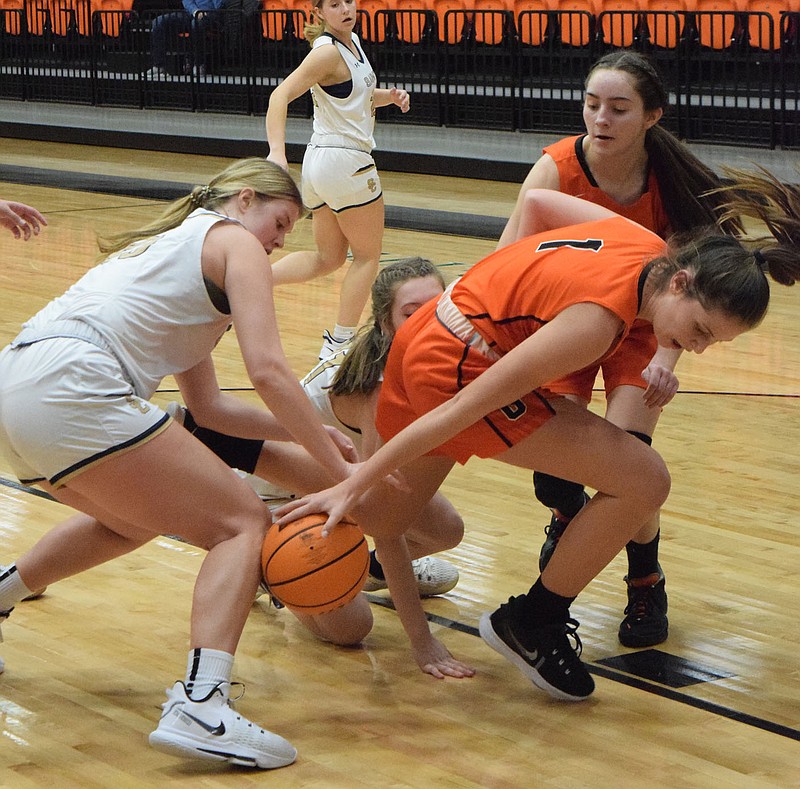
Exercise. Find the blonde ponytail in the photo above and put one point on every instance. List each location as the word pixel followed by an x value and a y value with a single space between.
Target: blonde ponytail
pixel 266 179
pixel 314 29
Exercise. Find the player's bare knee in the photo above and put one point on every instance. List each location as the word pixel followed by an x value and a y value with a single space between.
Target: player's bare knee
pixel 250 523
pixel 651 481
pixel 327 264
pixel 451 530
pixel 345 627
pixel 350 634
pixel 368 262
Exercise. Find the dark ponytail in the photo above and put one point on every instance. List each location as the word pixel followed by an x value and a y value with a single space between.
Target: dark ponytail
pixel 760 195
pixel 685 183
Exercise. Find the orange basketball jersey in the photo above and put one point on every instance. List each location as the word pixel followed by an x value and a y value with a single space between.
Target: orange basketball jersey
pixel 506 298
pixel 577 179
pixel 519 288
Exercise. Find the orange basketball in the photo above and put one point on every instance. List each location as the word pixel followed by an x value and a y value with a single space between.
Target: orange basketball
pixel 312 574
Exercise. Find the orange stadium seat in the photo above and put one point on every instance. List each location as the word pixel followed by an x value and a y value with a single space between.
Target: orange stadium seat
pixel 532 17
pixel 37 16
pixel 302 6
pixel 575 21
pixel 274 22
pixel 618 21
pixel 762 35
pixel 110 14
pixel 13 17
pixel 451 29
pixel 70 14
pixel 716 22
pixel 410 20
pixel 490 26
pixel 373 6
pixel 664 22
pixel 375 32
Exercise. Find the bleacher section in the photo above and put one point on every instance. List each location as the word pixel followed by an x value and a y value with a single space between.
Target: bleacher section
pixel 732 66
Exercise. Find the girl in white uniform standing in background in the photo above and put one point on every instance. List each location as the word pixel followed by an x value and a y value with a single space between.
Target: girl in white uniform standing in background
pixel 341 185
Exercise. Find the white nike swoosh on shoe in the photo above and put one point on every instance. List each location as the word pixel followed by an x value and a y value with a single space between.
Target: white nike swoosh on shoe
pixel 531 657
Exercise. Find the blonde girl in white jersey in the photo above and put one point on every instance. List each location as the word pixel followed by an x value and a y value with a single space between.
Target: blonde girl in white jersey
pixel 76 419
pixel 340 183
pixel 344 390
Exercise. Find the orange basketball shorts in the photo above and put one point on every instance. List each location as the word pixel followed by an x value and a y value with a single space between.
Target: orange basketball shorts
pixel 427 366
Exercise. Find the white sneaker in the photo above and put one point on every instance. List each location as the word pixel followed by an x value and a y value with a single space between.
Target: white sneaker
pixel 211 730
pixel 434 576
pixel 331 345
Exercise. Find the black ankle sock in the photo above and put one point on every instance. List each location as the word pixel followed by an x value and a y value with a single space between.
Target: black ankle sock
pixel 375 569
pixel 543 607
pixel 642 557
pixel 188 421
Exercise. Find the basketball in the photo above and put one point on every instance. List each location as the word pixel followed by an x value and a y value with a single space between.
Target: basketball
pixel 312 574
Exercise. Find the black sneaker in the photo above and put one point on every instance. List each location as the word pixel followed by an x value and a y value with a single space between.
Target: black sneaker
pixel 547 658
pixel 645 623
pixel 552 534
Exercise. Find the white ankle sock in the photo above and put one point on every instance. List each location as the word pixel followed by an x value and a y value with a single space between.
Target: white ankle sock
pixel 205 669
pixel 342 333
pixel 12 587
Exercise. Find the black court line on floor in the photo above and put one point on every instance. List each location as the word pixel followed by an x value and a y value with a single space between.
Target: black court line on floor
pixel 655 661
pixel 649 670
pixel 426 220
pixel 661 667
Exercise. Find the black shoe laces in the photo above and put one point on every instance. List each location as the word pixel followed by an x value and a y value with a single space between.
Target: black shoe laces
pixel 640 602
pixel 558 633
pixel 555 528
pixel 570 630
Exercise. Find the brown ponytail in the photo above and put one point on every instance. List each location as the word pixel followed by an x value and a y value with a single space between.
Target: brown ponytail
pixel 362 368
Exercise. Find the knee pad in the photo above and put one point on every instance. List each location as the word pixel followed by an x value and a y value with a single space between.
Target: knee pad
pixel 558 494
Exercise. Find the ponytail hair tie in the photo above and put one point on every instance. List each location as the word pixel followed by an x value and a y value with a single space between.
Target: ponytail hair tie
pixel 200 195
pixel 761 261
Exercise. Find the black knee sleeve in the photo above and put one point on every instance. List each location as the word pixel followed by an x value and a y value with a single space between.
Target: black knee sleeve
pixel 562 495
pixel 241 453
pixel 558 494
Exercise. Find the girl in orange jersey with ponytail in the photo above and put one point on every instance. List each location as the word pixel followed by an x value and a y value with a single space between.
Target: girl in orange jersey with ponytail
pixel 468 376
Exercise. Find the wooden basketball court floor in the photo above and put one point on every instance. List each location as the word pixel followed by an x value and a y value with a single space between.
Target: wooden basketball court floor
pixel 716 705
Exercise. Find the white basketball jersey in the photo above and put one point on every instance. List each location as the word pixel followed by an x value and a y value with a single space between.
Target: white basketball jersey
pixel 340 112
pixel 149 302
pixel 317 384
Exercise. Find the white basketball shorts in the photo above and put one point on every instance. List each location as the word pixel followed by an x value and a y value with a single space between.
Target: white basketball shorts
pixel 340 178
pixel 65 405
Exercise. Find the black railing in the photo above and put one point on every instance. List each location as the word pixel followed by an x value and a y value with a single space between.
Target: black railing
pixel 733 77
